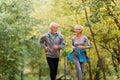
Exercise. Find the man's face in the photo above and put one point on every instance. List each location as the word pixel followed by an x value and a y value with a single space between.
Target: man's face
pixel 54 29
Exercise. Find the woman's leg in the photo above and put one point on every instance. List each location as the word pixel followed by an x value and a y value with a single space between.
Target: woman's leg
pixel 77 66
pixel 82 66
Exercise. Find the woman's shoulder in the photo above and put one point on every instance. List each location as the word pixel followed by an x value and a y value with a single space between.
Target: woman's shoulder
pixel 84 37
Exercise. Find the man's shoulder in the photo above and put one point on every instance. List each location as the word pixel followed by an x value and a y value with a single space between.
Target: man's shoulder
pixel 46 34
pixel 59 34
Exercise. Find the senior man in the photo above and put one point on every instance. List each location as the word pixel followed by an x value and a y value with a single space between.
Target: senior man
pixel 52 42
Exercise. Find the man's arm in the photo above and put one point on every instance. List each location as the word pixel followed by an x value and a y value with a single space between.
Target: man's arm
pixel 62 43
pixel 42 41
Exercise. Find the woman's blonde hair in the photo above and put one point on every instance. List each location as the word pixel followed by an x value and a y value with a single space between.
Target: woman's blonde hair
pixel 79 27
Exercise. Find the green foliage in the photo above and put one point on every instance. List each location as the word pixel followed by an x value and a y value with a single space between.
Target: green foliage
pixel 20 33
pixel 15 25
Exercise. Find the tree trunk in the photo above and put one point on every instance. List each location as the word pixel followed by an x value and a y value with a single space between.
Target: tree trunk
pixel 65 68
pixel 40 71
pixel 90 73
pixel 104 76
pixel 22 75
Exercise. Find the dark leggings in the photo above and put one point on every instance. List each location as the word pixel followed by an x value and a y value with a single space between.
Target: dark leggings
pixel 53 65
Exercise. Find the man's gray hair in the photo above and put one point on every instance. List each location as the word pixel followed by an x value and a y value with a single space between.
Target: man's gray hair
pixel 53 24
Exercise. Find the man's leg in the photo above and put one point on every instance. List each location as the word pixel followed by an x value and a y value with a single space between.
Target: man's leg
pixel 53 63
pixel 56 65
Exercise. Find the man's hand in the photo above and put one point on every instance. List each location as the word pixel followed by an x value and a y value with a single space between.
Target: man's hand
pixel 46 49
pixel 55 47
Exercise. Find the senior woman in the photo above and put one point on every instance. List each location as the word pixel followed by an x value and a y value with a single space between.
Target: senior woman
pixel 79 45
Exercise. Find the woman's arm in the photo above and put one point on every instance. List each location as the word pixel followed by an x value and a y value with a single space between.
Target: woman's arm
pixel 87 43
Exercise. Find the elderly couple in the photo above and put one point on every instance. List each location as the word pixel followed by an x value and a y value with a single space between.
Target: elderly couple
pixel 52 42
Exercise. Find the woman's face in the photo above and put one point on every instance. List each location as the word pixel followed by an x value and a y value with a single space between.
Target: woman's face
pixel 77 31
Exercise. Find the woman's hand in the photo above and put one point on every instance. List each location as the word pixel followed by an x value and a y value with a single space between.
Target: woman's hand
pixel 73 47
pixel 81 47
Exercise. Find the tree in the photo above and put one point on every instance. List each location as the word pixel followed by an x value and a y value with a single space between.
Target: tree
pixel 15 25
